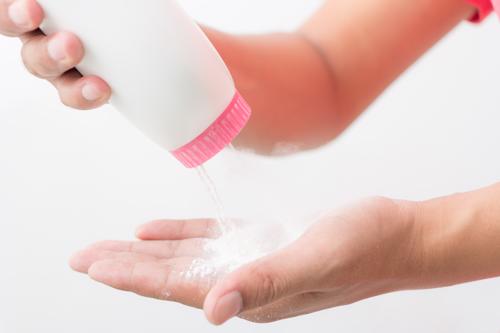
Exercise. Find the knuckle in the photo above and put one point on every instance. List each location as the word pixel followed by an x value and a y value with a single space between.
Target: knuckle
pixel 270 286
pixel 27 61
pixel 35 66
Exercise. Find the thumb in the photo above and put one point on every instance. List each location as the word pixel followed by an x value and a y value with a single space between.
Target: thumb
pixel 287 272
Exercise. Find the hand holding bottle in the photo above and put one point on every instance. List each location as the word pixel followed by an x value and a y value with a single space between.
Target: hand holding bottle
pixel 52 57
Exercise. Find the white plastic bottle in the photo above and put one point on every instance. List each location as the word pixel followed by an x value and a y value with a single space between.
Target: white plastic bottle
pixel 165 75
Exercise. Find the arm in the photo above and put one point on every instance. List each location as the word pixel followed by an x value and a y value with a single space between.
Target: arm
pixel 373 247
pixel 307 87
pixel 461 240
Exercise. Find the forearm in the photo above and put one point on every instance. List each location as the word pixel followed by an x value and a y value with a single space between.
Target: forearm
pixel 369 43
pixel 288 86
pixel 307 87
pixel 460 238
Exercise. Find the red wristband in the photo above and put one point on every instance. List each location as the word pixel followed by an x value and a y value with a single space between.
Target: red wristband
pixel 496 6
pixel 484 8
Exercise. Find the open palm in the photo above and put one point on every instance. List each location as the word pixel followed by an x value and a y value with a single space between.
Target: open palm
pixel 156 265
pixel 357 252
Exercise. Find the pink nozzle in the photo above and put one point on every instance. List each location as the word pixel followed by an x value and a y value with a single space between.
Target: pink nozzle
pixel 216 137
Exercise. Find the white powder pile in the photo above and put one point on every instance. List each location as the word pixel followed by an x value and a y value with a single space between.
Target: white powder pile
pixel 238 246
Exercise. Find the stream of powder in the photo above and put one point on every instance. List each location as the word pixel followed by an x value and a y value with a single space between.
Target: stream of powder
pixel 239 242
pixel 221 215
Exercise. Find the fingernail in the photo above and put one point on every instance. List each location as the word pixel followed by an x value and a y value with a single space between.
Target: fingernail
pixel 90 92
pixel 18 13
pixel 227 307
pixel 56 48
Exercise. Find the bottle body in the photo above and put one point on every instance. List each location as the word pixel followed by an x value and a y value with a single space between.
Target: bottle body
pixel 165 75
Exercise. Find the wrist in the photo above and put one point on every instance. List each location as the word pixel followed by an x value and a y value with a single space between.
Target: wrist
pixel 460 239
pixel 423 244
pixel 387 253
pixel 408 247
pixel 440 222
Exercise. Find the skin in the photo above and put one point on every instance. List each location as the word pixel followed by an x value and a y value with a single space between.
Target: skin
pixel 369 248
pixel 341 62
pixel 273 287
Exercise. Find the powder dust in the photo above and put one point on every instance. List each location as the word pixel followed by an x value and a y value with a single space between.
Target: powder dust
pixel 258 235
pixel 238 245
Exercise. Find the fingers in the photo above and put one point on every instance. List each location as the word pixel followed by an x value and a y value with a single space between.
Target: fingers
pixel 53 58
pixel 50 57
pixel 178 229
pixel 19 16
pixel 83 93
pixel 82 261
pixel 161 279
pixel 146 251
pixel 291 271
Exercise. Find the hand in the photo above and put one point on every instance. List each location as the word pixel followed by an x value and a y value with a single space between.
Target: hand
pixel 52 57
pixel 357 252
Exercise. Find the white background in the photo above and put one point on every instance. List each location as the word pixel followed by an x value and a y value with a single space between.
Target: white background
pixel 69 178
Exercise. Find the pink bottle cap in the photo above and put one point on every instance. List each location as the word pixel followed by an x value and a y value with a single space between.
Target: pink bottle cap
pixel 216 137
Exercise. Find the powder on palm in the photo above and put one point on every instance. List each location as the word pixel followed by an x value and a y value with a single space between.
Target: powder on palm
pixel 237 246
